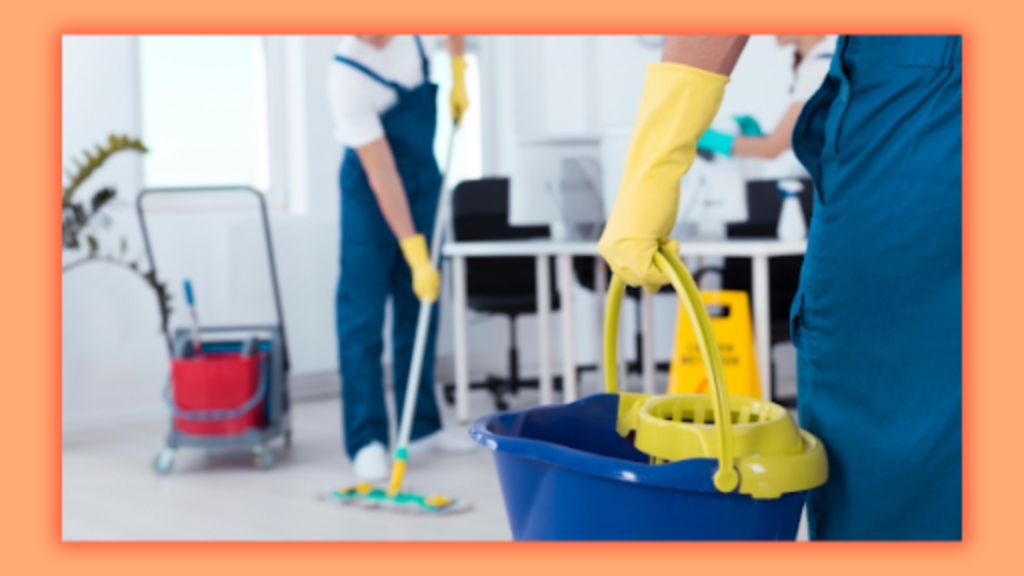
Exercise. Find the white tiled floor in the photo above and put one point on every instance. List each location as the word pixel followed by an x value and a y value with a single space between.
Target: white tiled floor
pixel 111 493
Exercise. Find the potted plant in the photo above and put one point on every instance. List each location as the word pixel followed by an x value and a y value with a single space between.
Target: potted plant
pixel 80 219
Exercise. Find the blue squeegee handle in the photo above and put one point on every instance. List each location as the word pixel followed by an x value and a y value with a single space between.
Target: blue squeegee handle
pixel 196 344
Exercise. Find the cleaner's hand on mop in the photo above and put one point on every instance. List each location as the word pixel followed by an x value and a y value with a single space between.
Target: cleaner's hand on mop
pixel 458 98
pixel 426 280
pixel 678 104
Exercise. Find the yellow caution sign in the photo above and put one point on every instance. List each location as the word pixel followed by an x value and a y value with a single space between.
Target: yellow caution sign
pixel 730 319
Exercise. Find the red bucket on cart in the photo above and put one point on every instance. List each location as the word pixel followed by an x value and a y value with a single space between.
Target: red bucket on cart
pixel 217 394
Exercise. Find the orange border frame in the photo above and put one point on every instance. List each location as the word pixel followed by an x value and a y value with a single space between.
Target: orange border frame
pixel 30 425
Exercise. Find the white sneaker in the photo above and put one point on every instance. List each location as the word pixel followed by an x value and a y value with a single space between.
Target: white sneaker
pixel 371 462
pixel 443 441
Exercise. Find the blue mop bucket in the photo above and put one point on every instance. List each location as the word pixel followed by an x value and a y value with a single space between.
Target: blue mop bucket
pixel 567 474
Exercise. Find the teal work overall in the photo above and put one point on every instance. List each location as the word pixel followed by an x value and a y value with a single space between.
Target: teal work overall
pixel 877 320
pixel 373 269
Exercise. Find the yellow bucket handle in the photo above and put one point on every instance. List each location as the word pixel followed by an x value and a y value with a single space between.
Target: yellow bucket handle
pixel 726 478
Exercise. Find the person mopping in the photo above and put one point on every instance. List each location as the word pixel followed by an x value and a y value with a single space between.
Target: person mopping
pixel 384 106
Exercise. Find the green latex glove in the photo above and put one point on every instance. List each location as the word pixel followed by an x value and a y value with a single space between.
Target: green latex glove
pixel 715 141
pixel 748 126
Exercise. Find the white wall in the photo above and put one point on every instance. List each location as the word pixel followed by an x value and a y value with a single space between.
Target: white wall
pixel 579 86
pixel 113 358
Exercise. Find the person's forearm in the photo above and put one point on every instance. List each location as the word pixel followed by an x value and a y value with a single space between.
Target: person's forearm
pixel 712 53
pixel 456 44
pixel 382 173
pixel 767 147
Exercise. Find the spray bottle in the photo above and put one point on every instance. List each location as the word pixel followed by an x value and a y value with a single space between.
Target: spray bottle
pixel 791 220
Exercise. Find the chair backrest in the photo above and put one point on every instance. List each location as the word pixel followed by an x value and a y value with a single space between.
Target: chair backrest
pixel 480 212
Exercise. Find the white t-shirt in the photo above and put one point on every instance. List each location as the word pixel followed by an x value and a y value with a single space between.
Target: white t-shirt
pixel 358 101
pixel 812 70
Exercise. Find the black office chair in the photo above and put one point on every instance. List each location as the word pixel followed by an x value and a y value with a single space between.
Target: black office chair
pixel 497 285
pixel 583 266
pixel 763 208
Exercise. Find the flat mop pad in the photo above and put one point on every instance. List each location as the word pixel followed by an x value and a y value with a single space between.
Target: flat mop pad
pixel 366 496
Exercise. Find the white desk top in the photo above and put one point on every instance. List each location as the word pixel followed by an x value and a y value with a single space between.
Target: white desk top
pixel 544 247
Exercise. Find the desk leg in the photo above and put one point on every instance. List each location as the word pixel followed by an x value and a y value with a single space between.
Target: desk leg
pixel 647 330
pixel 600 281
pixel 543 275
pixel 762 325
pixel 461 350
pixel 565 275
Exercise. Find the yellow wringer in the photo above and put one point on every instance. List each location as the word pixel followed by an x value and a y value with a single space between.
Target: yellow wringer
pixel 759 448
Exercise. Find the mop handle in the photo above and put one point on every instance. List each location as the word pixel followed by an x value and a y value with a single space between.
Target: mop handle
pixel 422 324
pixel 443 205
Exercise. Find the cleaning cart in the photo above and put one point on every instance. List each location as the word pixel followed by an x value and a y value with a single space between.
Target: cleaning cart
pixel 229 390
pixel 626 466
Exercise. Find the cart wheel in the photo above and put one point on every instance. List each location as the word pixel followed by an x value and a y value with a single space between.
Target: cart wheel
pixel 288 439
pixel 164 461
pixel 263 458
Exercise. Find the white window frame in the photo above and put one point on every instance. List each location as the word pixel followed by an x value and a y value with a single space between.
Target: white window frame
pixel 277 67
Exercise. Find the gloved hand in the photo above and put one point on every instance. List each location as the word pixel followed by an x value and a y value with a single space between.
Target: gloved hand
pixel 458 98
pixel 749 126
pixel 677 106
pixel 715 141
pixel 426 280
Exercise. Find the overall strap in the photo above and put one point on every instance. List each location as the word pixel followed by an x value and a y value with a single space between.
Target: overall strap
pixel 393 85
pixel 423 59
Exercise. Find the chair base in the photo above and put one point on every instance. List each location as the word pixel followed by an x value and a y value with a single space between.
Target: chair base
pixel 500 388
pixel 786 401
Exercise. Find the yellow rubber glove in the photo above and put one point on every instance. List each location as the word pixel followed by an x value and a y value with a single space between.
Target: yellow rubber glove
pixel 458 97
pixel 678 104
pixel 426 280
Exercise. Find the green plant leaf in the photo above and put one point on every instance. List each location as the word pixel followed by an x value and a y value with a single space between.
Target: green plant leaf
pixel 93 160
pixel 94 245
pixel 102 197
pixel 69 228
pixel 81 218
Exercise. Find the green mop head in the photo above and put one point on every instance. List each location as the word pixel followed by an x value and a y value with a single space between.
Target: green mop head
pixel 366 495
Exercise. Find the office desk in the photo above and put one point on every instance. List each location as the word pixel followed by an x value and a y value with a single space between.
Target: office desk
pixel 759 251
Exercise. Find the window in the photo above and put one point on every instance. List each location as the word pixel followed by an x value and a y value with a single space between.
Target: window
pixel 467 160
pixel 204 111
